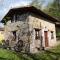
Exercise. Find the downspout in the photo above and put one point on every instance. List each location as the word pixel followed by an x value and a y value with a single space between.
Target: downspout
pixel 41 46
pixel 28 34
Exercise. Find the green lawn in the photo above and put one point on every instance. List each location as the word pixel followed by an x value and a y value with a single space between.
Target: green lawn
pixel 8 55
pixel 52 54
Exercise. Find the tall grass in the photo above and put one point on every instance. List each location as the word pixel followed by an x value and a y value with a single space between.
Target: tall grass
pixel 53 54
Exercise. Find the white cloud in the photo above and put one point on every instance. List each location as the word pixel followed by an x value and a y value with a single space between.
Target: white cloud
pixel 21 3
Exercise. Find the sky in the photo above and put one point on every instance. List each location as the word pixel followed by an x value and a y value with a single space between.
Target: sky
pixel 6 5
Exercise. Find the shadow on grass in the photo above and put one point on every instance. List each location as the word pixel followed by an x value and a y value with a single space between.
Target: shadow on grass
pixel 33 56
pixel 53 55
pixel 45 55
pixel 22 56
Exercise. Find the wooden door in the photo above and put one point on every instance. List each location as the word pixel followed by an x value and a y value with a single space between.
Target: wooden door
pixel 46 38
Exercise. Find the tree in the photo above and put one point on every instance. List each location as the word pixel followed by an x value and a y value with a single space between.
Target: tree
pixel 5 20
pixel 53 9
pixel 38 3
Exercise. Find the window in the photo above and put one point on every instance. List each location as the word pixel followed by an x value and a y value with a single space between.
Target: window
pixel 13 18
pixel 37 34
pixel 21 17
pixel 52 35
pixel 14 33
pixel 18 17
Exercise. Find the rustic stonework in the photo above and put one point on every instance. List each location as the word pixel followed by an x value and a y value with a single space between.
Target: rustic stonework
pixel 25 31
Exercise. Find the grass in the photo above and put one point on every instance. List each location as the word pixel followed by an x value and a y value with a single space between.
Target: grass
pixel 52 54
pixel 8 55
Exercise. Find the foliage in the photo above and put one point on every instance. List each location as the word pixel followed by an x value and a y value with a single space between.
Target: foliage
pixel 53 9
pixel 5 20
pixel 58 33
pixel 38 3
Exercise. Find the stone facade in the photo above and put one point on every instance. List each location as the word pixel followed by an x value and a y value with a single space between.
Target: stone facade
pixel 22 32
pixel 26 31
pixel 43 25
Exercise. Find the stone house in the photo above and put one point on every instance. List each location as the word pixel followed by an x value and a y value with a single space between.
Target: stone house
pixel 29 24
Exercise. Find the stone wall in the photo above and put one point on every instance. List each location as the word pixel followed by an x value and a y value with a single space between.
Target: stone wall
pixel 25 31
pixel 22 32
pixel 44 25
